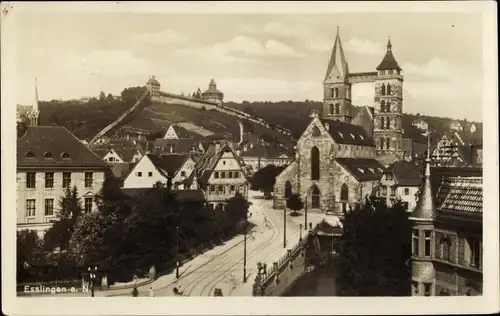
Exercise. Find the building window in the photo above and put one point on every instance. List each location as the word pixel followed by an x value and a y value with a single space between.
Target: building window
pixel 407 191
pixel 49 207
pixel 382 106
pixel 414 286
pixel 88 205
pixel 389 86
pixel 427 289
pixel 220 189
pixel 212 188
pixel 332 109
pixel 475 252
pixel 236 174
pixel 183 173
pixel 427 243
pixel 223 175
pixel 415 243
pixel 383 89
pixel 232 188
pixel 388 123
pixel 150 173
pixel 388 107
pixel 337 108
pixel 315 131
pixel 30 180
pixel 388 176
pixel 382 125
pixel 88 179
pixel 216 174
pixel 229 174
pixel 406 206
pixel 49 179
pixel 388 143
pixel 139 174
pixel 384 190
pixel 393 191
pixel 31 208
pixel 66 179
pixel 315 163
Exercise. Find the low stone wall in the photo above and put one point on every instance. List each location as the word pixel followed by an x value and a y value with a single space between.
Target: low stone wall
pixel 283 274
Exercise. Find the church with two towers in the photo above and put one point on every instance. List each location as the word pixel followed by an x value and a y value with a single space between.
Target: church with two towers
pixel 337 156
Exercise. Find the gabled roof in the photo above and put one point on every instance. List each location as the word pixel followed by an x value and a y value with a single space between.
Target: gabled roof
pixel 461 194
pixel 364 118
pixel 181 145
pixel 389 62
pixel 265 152
pixel 363 169
pixel 209 160
pixel 345 133
pixel 125 149
pixel 440 174
pixel 406 174
pixel 54 146
pixel 168 165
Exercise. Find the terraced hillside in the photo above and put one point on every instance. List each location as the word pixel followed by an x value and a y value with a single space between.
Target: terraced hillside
pixel 199 122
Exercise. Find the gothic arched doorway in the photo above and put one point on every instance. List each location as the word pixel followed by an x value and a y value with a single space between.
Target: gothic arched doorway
pixel 344 196
pixel 288 190
pixel 315 197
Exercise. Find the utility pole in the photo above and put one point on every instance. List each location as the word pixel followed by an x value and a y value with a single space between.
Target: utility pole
pixel 177 251
pixel 284 227
pixel 300 231
pixel 245 257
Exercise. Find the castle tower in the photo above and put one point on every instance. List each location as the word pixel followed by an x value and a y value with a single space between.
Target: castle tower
pixel 423 244
pixel 35 112
pixel 336 86
pixel 212 94
pixel 388 130
pixel 154 86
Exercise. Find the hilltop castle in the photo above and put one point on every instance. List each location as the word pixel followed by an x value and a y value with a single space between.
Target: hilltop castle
pixel 337 157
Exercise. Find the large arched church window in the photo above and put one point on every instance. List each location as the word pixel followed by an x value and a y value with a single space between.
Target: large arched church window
pixel 344 196
pixel 288 190
pixel 315 197
pixel 382 106
pixel 315 163
pixel 316 132
pixel 337 108
pixel 388 89
pixel 383 89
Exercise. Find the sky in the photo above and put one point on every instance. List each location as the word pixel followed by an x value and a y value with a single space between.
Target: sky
pixel 253 57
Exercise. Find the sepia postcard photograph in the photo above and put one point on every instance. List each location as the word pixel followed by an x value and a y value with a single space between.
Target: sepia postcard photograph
pixel 264 158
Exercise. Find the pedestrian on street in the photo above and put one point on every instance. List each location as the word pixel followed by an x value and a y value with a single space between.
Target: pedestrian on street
pixel 151 292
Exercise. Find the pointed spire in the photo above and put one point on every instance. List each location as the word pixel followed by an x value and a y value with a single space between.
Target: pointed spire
pixel 426 208
pixel 389 45
pixel 338 61
pixel 212 83
pixel 35 104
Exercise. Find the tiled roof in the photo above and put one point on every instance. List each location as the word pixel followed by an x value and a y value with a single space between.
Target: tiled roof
pixel 169 164
pixel 386 159
pixel 363 169
pixel 54 146
pixel 182 195
pixel 265 152
pixel 209 160
pixel 389 62
pixel 462 194
pixel 325 228
pixel 124 148
pixel 181 145
pixel 440 174
pixel 406 174
pixel 345 133
pixel 121 170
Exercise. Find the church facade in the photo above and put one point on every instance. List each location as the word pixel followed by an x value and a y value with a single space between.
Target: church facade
pixel 336 157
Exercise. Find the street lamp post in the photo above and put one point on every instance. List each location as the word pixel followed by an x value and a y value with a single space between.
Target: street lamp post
pixel 245 249
pixel 92 277
pixel 300 230
pixel 305 214
pixel 177 251
pixel 284 228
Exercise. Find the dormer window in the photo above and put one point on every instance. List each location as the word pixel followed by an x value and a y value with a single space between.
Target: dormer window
pixel 361 170
pixel 341 135
pixel 30 154
pixel 371 170
pixel 352 136
pixel 361 136
pixel 48 155
pixel 65 155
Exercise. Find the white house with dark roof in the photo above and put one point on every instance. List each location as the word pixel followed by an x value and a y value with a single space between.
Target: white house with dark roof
pixel 261 155
pixel 51 159
pixel 401 180
pixel 221 175
pixel 154 168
